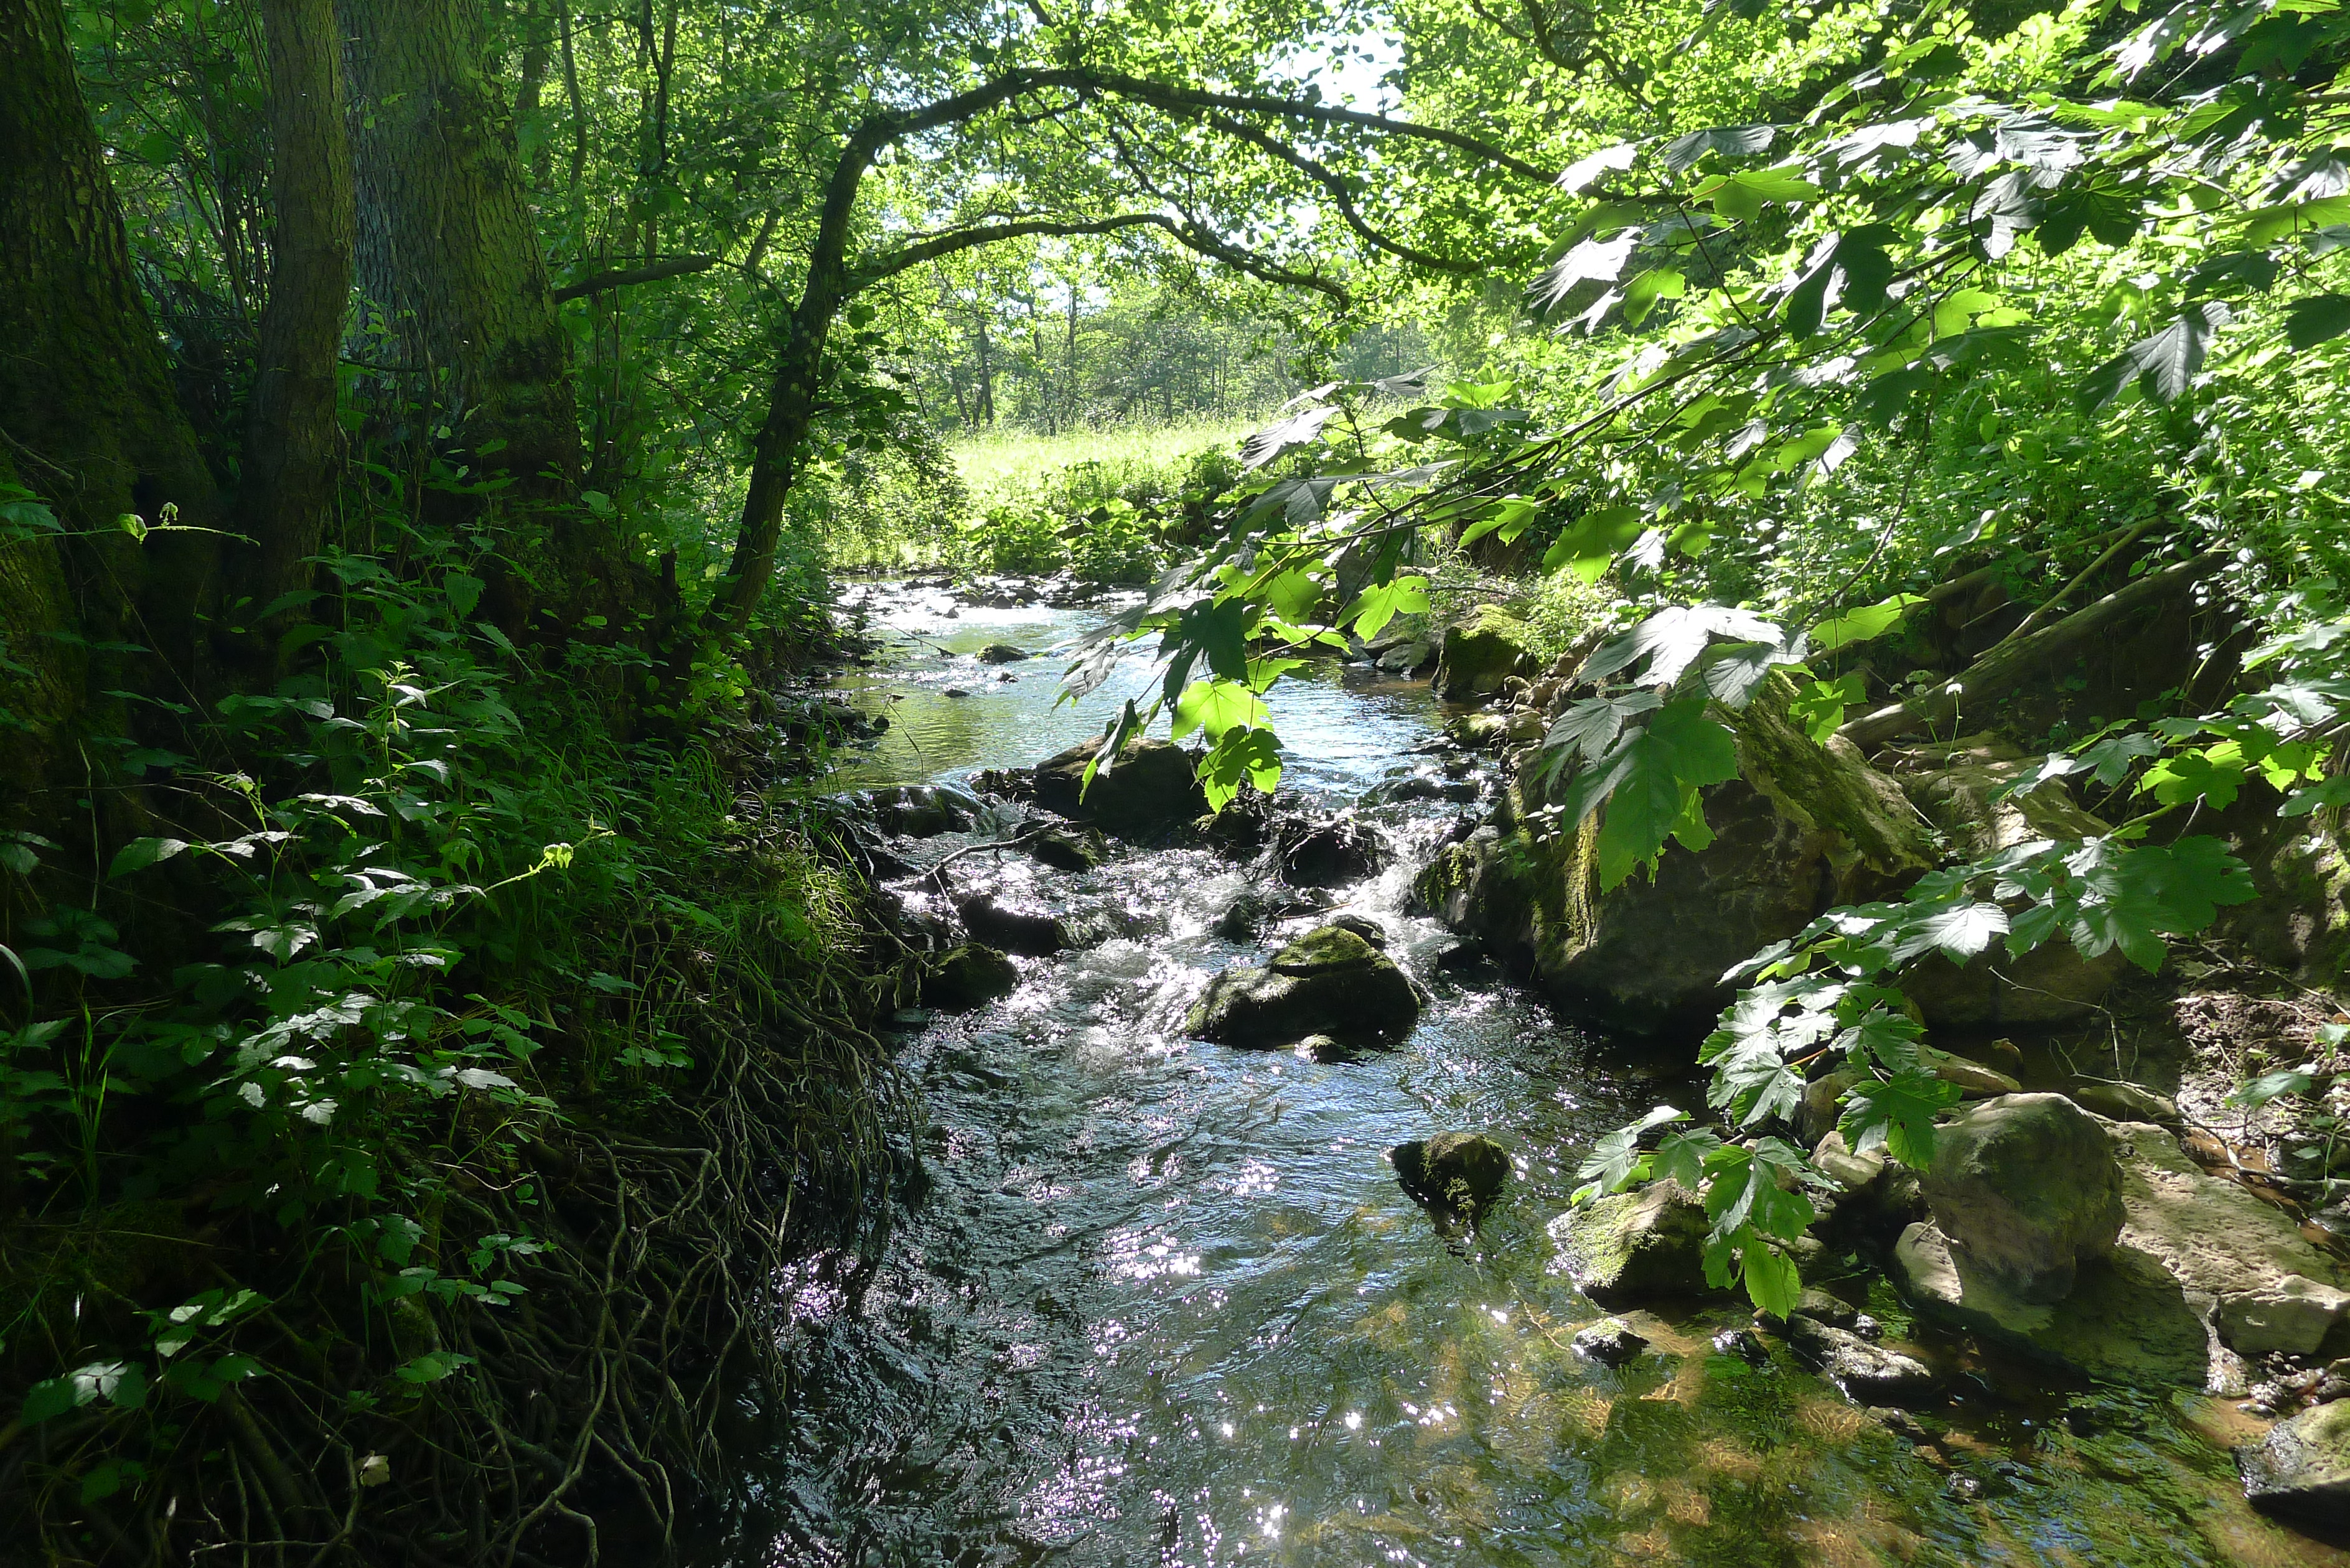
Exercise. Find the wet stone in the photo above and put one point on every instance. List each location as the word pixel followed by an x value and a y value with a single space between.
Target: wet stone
pixel 1610 1342
pixel 2303 1466
pixel 1002 653
pixel 1458 1171
pixel 1069 848
pixel 1016 927
pixel 969 976
pixel 1328 981
pixel 1744 1344
pixel 1867 1372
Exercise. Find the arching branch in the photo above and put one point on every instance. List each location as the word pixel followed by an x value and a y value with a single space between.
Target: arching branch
pixel 1336 184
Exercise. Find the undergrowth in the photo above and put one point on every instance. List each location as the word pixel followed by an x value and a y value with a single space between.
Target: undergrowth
pixel 400 1134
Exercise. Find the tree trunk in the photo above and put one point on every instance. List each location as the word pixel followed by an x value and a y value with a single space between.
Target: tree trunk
pixel 90 423
pixel 446 246
pixel 293 444
pixel 776 455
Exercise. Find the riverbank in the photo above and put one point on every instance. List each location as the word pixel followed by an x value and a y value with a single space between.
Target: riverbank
pixel 1166 1299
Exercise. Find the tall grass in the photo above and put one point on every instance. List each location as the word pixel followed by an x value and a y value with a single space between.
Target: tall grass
pixel 998 464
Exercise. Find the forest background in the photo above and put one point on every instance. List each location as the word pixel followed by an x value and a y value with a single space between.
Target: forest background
pixel 442 995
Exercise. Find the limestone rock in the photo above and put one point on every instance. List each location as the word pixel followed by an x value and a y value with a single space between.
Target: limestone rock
pixel 967 977
pixel 2027 1186
pixel 1630 1247
pixel 1868 1372
pixel 1328 981
pixel 1481 652
pixel 923 811
pixel 1458 1171
pixel 2211 1235
pixel 1152 788
pixel 2129 1103
pixel 1800 829
pixel 1325 852
pixel 2303 1466
pixel 2297 1315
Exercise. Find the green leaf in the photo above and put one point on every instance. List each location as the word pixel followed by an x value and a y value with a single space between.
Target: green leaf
pixel 1819 705
pixel 2311 321
pixel 1589 727
pixel 141 853
pixel 1773 1284
pixel 1613 1163
pixel 1593 540
pixel 1862 624
pixel 1896 1114
pixel 1216 706
pixel 1382 602
pixel 1241 754
pixel 1681 750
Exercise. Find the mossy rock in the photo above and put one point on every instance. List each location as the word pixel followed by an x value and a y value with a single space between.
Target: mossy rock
pixel 1459 1172
pixel 1328 981
pixel 1800 829
pixel 1154 787
pixel 969 976
pixel 1638 1246
pixel 1481 652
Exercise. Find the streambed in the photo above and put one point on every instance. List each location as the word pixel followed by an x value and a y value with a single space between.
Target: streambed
pixel 1165 1303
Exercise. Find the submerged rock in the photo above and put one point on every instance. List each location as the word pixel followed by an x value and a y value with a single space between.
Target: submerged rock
pixel 1868 1372
pixel 1610 1342
pixel 1328 851
pixel 967 977
pixel 2027 1186
pixel 1630 1247
pixel 2303 1466
pixel 1456 1170
pixel 1482 652
pixel 1002 653
pixel 1328 981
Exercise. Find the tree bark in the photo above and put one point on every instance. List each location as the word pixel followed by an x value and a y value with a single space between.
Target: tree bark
pixel 87 422
pixel 446 246
pixel 293 445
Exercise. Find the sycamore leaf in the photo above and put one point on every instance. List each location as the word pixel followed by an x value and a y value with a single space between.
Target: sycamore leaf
pixel 1959 932
pixel 1819 705
pixel 1593 540
pixel 1382 602
pixel 1216 706
pixel 1297 430
pixel 1592 165
pixel 2311 321
pixel 1773 1284
pixel 1613 1163
pixel 1679 751
pixel 1241 755
pixel 1671 639
pixel 1590 726
pixel 1896 1114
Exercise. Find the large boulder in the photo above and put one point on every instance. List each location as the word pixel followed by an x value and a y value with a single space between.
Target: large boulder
pixel 2297 1316
pixel 1802 829
pixel 2303 1466
pixel 2028 1188
pixel 1481 652
pixel 1630 1246
pixel 1328 981
pixel 1325 852
pixel 1152 787
pixel 2151 1311
pixel 1456 1170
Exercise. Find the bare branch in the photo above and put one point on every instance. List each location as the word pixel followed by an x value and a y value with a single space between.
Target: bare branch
pixel 621 277
pixel 1331 181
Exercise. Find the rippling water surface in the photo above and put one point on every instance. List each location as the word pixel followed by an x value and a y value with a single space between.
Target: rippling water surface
pixel 1166 1305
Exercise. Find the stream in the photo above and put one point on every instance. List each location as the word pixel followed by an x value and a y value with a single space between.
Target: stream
pixel 1165 1303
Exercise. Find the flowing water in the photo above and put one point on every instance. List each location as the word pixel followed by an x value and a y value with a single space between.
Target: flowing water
pixel 1165 1303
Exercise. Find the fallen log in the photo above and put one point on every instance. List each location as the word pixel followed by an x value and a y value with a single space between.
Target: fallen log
pixel 2014 660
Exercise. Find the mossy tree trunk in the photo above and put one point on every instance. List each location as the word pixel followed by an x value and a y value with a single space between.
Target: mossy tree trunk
pixel 446 246
pixel 90 423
